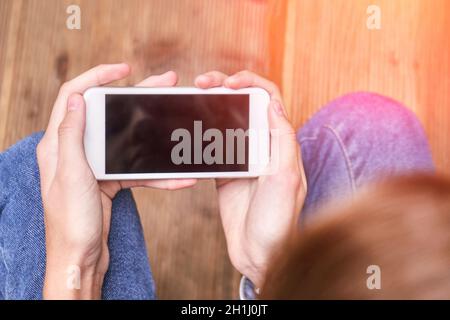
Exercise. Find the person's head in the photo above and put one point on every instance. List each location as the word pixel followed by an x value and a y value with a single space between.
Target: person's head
pixel 401 226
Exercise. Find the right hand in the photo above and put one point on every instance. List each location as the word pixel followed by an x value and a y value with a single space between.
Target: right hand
pixel 259 213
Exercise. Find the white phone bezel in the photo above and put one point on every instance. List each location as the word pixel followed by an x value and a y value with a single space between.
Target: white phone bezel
pixel 94 139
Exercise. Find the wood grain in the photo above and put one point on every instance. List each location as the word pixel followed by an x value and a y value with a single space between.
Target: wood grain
pixel 182 229
pixel 329 52
pixel 316 50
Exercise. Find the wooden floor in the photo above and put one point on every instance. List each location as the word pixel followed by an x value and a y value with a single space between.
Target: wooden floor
pixel 315 50
pixel 328 51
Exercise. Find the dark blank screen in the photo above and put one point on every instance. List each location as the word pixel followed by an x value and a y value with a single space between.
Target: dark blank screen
pixel 139 129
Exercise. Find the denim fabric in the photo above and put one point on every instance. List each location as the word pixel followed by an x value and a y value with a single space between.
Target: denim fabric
pixel 358 139
pixel 22 234
pixel 354 140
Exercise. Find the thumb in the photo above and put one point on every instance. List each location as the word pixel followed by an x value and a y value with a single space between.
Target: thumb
pixel 71 131
pixel 283 142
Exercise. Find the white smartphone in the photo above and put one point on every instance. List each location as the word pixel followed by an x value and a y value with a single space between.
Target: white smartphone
pixel 166 133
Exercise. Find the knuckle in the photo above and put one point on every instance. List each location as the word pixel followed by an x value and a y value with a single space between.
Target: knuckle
pixel 273 89
pixel 65 129
pixel 272 85
pixel 245 72
pixel 217 74
pixel 65 87
pixel 98 67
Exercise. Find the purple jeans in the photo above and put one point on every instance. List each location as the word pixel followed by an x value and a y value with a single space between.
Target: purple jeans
pixel 354 140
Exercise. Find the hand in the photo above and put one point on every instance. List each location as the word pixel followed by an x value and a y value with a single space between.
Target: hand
pixel 259 213
pixel 77 208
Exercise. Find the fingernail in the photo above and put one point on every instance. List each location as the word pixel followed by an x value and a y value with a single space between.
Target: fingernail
pixel 74 104
pixel 278 108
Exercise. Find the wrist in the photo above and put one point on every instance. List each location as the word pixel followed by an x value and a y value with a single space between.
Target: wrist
pixel 73 276
pixel 67 281
pixel 253 265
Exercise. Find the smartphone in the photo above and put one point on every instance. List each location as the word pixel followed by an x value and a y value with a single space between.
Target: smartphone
pixel 177 132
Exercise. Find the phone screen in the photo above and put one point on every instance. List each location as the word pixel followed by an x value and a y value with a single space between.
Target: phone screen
pixel 176 133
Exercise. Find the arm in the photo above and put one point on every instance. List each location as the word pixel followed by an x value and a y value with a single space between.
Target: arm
pixel 77 208
pixel 258 214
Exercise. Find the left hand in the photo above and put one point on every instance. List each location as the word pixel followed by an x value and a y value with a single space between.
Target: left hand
pixel 77 208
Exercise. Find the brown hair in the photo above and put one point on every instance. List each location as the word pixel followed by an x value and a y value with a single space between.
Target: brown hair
pixel 402 226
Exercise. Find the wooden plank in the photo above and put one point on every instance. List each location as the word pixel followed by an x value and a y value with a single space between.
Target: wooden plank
pixel 315 50
pixel 276 33
pixel 8 50
pixel 185 239
pixel 330 52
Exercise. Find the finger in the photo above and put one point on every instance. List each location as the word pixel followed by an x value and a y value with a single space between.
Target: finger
pixel 168 79
pixel 283 142
pixel 110 188
pixel 96 76
pixel 246 79
pixel 210 79
pixel 169 184
pixel 71 132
